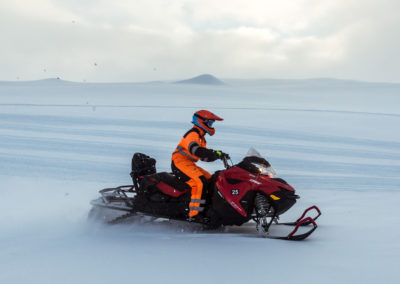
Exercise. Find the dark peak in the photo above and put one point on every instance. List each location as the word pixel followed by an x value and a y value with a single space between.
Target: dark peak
pixel 205 79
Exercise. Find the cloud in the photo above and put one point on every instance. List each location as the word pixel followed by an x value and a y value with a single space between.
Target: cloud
pixel 166 40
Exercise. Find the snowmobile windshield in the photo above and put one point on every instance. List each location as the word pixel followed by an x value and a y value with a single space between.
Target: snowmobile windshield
pixel 264 168
pixel 253 153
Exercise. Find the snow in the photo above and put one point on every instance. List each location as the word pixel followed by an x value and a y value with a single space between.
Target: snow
pixel 337 142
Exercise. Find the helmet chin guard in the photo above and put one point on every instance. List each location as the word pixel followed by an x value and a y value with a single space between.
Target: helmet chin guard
pixel 205 120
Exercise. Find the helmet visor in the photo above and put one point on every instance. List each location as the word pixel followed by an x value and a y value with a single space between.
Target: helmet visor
pixel 209 122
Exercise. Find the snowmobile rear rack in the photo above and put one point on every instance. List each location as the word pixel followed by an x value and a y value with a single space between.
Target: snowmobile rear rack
pixel 116 198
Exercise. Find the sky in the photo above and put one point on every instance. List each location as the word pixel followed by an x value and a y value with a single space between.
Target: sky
pixel 150 40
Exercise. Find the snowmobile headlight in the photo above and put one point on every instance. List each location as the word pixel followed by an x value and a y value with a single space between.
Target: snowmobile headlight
pixel 265 170
pixel 268 171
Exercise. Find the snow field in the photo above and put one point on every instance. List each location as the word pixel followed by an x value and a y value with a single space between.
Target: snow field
pixel 60 142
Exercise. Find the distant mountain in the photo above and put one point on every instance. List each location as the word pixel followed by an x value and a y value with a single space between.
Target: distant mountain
pixel 205 79
pixel 46 82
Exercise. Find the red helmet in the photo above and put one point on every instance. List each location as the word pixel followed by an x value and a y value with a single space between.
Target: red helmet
pixel 205 120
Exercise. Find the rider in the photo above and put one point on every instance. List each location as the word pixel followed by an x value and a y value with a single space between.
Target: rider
pixel 190 149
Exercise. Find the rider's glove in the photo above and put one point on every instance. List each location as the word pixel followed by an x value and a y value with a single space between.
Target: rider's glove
pixel 222 155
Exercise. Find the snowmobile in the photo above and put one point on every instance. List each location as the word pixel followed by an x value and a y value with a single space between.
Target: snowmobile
pixel 239 194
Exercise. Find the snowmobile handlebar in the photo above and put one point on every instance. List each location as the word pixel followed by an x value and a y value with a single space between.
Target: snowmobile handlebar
pixel 225 158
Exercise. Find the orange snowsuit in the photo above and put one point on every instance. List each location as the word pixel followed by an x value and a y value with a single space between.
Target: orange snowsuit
pixel 184 159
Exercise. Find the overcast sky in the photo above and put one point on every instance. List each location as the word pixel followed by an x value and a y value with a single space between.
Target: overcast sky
pixel 144 40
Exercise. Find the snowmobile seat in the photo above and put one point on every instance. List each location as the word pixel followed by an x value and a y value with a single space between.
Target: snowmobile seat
pixel 167 183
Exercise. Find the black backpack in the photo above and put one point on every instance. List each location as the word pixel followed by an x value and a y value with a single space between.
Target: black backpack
pixel 143 165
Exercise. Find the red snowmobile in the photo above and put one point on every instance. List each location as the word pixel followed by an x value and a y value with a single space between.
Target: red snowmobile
pixel 234 196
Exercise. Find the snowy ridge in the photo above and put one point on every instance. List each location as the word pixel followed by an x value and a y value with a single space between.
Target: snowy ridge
pixel 205 79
